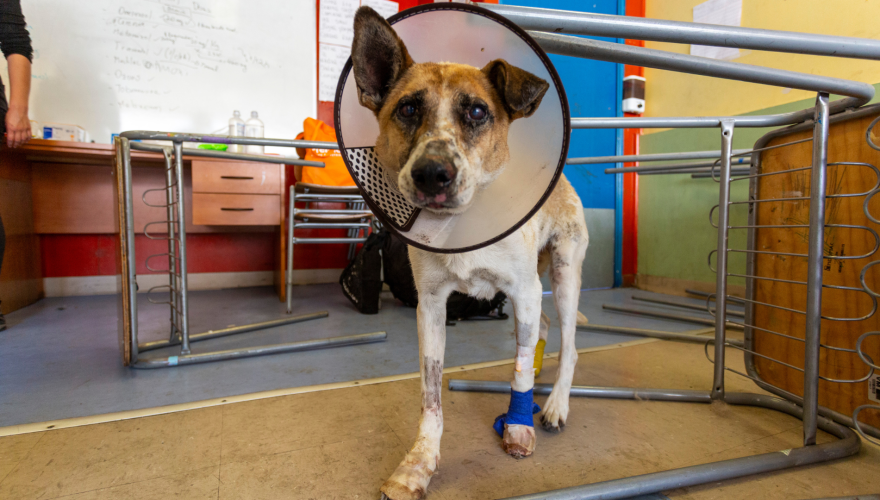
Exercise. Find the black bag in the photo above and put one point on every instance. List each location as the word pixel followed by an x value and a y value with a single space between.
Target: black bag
pixel 399 276
pixel 361 280
pixel 461 307
pixel 398 271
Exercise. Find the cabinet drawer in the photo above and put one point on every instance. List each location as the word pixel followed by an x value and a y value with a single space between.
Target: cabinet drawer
pixel 235 177
pixel 236 209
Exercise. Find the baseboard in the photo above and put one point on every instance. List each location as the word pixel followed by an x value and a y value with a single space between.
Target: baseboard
pixel 315 276
pixel 674 286
pixel 108 285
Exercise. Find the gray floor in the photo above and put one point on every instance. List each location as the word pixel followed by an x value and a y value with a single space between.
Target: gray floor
pixel 60 357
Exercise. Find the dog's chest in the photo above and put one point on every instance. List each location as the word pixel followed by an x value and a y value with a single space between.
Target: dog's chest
pixel 477 273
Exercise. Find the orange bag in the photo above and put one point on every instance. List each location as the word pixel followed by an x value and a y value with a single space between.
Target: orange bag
pixel 334 172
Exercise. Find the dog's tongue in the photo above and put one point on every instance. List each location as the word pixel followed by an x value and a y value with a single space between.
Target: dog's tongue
pixel 440 198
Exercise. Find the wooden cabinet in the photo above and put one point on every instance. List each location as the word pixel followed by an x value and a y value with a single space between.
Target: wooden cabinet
pixel 236 193
pixel 218 209
pixel 57 188
pixel 20 280
pixel 236 177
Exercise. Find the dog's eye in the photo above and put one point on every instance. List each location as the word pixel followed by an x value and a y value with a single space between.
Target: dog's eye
pixel 406 110
pixel 477 113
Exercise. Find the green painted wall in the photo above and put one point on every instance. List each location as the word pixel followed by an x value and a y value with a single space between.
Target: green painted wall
pixel 675 236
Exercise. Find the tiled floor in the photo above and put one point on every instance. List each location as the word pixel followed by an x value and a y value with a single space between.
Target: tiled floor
pixel 60 357
pixel 344 443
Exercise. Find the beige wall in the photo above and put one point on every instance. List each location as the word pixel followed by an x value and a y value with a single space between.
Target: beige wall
pixel 674 232
pixel 677 94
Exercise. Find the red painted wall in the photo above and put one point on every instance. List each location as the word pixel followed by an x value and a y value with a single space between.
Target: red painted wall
pixel 66 255
pixel 634 8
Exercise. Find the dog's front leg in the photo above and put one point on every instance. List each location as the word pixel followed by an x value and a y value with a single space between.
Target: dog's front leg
pixel 565 276
pixel 410 480
pixel 518 438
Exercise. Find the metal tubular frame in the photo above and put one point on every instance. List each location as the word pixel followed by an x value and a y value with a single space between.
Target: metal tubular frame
pixel 818 185
pixel 670 316
pixel 816 118
pixel 179 269
pixel 178 300
pixel 690 155
pixel 656 334
pixel 711 296
pixel 706 175
pixel 683 305
pixel 859 92
pixel 354 228
pixel 866 431
pixel 638 28
pixel 721 263
pixel 644 484
pixel 743 163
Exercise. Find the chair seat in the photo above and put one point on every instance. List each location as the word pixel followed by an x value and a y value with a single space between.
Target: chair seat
pixel 303 187
pixel 333 218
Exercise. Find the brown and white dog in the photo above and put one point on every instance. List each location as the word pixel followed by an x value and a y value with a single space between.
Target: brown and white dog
pixel 443 132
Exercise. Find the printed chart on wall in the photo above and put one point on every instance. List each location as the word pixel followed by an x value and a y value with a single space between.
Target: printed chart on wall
pixel 179 65
pixel 725 13
pixel 335 33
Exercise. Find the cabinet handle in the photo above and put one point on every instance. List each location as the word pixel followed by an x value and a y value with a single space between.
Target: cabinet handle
pixel 237 177
pixel 237 209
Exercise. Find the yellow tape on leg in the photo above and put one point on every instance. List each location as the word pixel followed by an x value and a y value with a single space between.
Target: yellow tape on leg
pixel 539 356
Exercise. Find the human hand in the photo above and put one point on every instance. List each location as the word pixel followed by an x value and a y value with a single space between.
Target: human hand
pixel 18 127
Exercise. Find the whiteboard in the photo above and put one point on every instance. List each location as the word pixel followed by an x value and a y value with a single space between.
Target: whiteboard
pixel 172 65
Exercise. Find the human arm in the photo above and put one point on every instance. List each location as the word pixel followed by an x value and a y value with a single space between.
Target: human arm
pixel 18 126
pixel 15 43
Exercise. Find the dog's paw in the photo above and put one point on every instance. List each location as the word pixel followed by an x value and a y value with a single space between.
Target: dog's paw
pixel 410 480
pixel 519 440
pixel 554 415
pixel 393 490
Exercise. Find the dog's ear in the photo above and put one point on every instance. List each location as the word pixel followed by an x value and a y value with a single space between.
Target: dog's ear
pixel 520 90
pixel 379 58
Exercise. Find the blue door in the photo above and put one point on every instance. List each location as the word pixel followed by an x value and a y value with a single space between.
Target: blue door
pixel 593 90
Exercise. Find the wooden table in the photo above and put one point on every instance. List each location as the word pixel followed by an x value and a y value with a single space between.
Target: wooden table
pixel 846 144
pixel 56 187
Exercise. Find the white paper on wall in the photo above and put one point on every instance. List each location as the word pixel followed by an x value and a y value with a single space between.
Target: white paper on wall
pixel 335 34
pixel 331 60
pixel 723 12
pixel 385 8
pixel 335 24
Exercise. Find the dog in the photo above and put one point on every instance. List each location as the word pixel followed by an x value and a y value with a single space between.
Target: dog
pixel 443 135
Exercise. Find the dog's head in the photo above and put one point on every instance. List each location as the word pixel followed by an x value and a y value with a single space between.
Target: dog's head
pixel 443 126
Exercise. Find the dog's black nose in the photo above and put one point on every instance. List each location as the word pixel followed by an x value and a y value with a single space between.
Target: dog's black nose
pixel 431 175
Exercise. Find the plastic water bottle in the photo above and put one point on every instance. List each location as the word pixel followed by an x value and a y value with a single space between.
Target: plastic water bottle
pixel 254 128
pixel 236 129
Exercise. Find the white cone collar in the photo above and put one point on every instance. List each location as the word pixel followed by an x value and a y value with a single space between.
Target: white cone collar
pixel 460 33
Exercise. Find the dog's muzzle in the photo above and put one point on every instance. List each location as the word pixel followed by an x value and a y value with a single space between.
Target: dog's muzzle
pixel 434 172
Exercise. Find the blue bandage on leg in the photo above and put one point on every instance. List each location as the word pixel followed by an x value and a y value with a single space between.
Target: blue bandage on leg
pixel 522 407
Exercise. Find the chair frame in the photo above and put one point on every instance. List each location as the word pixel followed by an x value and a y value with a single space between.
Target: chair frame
pixel 178 296
pixel 355 229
